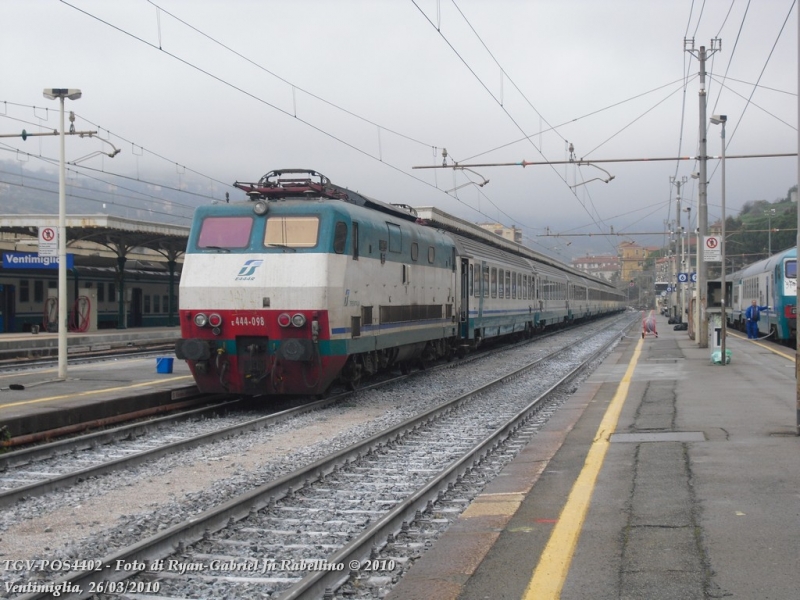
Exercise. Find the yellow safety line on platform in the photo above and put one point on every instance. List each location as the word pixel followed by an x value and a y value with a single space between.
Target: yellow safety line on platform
pixel 551 572
pixel 765 346
pixel 92 392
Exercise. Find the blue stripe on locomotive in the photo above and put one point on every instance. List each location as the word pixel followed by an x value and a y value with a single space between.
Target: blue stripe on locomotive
pixel 372 226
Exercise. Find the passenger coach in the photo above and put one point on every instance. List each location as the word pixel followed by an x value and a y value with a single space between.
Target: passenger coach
pixel 770 282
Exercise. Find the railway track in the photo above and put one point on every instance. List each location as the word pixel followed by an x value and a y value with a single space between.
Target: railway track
pixel 48 467
pixel 322 526
pixel 56 465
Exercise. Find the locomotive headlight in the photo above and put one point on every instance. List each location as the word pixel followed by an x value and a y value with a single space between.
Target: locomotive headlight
pixel 298 320
pixel 214 320
pixel 284 320
pixel 260 208
pixel 201 320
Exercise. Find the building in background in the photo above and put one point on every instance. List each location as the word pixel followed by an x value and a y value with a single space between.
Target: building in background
pixel 633 258
pixel 605 266
pixel 510 233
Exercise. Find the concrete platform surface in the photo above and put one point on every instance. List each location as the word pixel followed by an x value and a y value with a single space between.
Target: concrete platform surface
pixel 691 490
pixel 35 400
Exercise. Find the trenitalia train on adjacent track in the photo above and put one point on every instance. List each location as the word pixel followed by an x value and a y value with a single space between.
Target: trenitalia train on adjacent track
pixel 308 283
pixel 770 282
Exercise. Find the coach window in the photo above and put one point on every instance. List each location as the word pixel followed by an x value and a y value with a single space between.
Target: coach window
pixel 471 283
pixel 38 291
pixel 509 277
pixel 339 237
pixel 494 282
pixel 225 232
pixel 101 293
pixel 485 282
pixel 112 292
pixel 165 303
pixel 431 254
pixel 414 251
pixel 147 304
pixel 292 232
pixel 501 281
pixel 514 286
pixel 156 303
pixel 24 290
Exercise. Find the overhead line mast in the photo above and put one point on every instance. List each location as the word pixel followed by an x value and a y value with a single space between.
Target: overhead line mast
pixel 701 325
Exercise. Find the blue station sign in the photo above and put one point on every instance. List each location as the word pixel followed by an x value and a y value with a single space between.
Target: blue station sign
pixel 31 260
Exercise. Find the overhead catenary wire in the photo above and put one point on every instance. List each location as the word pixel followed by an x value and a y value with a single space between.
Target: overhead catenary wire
pixel 499 103
pixel 54 161
pixel 253 96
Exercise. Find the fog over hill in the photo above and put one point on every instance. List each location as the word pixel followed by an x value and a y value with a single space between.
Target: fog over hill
pixel 29 190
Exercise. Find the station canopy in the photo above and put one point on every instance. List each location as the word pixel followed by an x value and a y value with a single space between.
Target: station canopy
pixel 100 240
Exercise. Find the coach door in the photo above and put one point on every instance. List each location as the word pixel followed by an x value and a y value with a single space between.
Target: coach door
pixel 8 307
pixel 463 311
pixel 136 307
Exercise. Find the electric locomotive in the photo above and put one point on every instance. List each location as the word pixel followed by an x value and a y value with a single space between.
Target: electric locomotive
pixel 309 283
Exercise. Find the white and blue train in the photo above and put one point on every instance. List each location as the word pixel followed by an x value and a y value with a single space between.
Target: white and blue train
pixel 28 298
pixel 308 283
pixel 770 282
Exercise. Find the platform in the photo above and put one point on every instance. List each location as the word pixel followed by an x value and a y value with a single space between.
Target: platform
pixel 34 400
pixel 663 477
pixel 29 345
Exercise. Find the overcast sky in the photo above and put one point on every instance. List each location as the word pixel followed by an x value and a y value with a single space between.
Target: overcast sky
pixel 363 91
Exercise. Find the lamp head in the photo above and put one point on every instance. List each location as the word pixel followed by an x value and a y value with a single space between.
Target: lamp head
pixel 53 93
pixel 719 119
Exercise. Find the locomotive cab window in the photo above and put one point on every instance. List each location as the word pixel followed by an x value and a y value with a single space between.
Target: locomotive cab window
pixel 225 232
pixel 293 232
pixel 339 237
pixel 791 269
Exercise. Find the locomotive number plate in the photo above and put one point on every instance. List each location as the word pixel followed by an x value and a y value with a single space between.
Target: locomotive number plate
pixel 248 321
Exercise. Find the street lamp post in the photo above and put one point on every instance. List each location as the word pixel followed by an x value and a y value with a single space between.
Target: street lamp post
pixel 61 94
pixel 721 120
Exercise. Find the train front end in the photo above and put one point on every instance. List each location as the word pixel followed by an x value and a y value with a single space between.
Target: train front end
pixel 253 298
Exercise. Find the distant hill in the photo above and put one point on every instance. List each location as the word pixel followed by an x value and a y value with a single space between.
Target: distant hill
pixel 24 190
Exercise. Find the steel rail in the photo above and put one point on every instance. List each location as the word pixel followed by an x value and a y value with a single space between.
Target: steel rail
pixel 175 538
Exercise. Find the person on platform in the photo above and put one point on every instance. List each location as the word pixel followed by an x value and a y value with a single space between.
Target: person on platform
pixel 752 315
pixel 649 324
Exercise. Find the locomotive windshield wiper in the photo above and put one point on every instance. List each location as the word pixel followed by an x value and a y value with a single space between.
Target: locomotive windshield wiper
pixel 220 248
pixel 283 246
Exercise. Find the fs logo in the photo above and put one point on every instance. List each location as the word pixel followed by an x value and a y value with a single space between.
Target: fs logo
pixel 248 270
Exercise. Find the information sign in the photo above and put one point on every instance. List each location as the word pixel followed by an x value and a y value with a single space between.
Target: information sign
pixel 48 241
pixel 712 251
